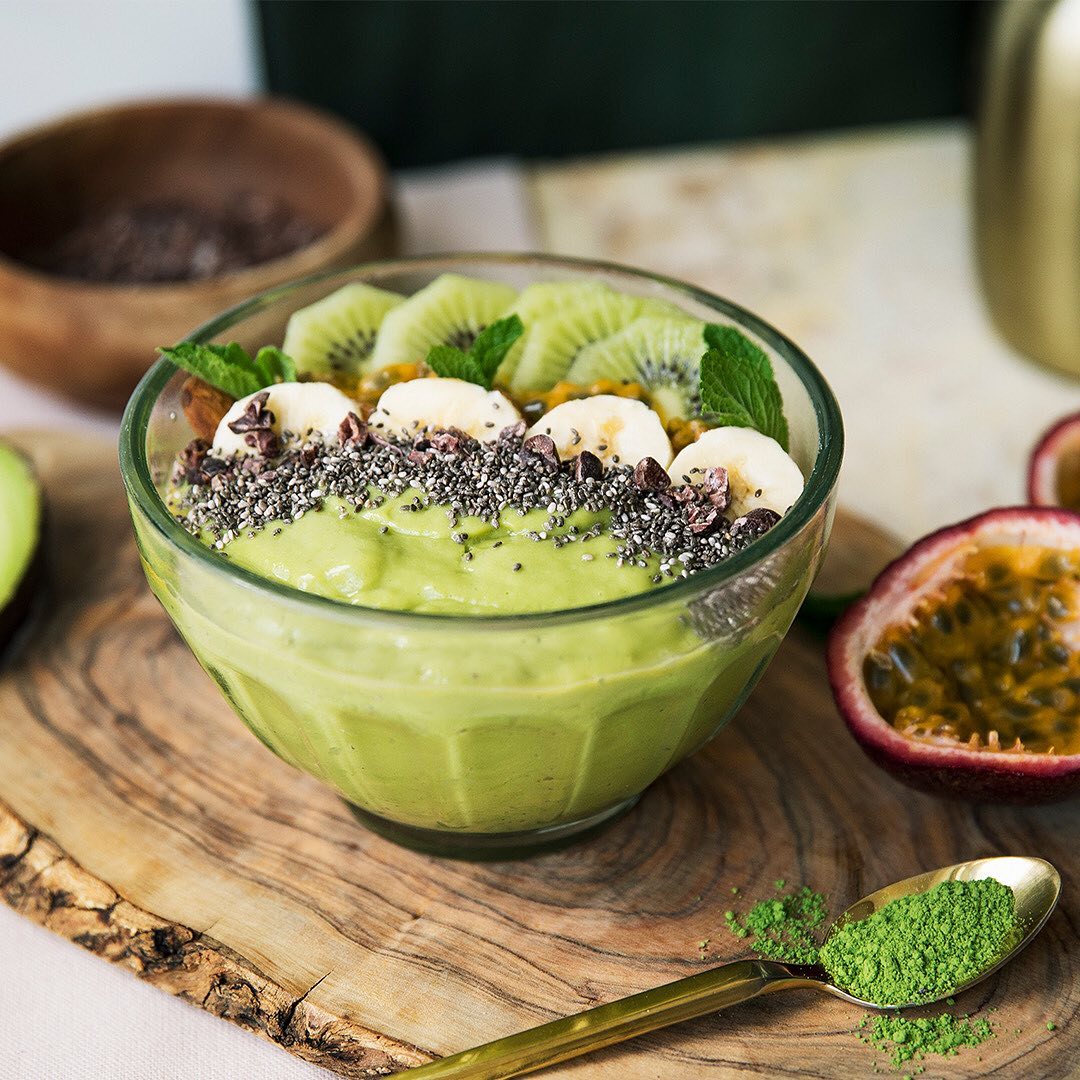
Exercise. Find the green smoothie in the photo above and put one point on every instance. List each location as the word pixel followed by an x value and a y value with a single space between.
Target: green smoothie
pixel 384 557
pixel 471 726
pixel 462 680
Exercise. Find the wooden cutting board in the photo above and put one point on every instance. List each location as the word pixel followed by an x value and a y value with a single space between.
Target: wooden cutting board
pixel 139 818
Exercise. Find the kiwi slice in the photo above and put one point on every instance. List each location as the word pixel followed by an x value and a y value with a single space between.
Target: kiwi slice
pixel 663 354
pixel 554 342
pixel 536 302
pixel 452 310
pixel 337 334
pixel 20 540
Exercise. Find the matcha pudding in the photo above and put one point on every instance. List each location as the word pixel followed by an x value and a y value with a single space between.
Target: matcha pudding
pixel 485 544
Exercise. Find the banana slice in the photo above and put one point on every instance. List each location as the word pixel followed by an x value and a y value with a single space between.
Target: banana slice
pixel 618 430
pixel 301 408
pixel 759 472
pixel 409 407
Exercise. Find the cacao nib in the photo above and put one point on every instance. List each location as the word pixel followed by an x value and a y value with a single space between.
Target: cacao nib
pixel 512 432
pixel 256 417
pixel 650 475
pixel 264 441
pixel 453 441
pixel 703 518
pixel 542 448
pixel 753 524
pixel 684 493
pixel 352 431
pixel 717 488
pixel 190 461
pixel 587 466
pixel 212 466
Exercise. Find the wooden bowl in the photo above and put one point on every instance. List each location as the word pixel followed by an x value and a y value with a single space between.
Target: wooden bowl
pixel 94 341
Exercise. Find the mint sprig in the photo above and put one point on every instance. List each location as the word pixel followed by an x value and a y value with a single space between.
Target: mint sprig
pixel 733 343
pixel 273 365
pixel 451 363
pixel 480 363
pixel 737 385
pixel 231 368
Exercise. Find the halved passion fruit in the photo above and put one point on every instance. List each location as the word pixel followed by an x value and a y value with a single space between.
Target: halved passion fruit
pixel 1054 470
pixel 959 671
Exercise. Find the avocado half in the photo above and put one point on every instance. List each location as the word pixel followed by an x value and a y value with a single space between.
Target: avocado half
pixel 20 540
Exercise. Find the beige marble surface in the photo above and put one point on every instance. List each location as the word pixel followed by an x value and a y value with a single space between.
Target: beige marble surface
pixel 858 246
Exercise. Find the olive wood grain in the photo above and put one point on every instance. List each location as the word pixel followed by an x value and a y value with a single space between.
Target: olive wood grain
pixel 140 819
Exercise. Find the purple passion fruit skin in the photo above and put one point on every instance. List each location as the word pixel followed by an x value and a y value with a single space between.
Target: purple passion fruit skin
pixel 959 671
pixel 1054 469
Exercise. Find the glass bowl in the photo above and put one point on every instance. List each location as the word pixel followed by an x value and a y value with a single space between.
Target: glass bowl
pixel 484 736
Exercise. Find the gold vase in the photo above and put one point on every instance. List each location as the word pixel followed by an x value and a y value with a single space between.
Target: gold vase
pixel 1027 178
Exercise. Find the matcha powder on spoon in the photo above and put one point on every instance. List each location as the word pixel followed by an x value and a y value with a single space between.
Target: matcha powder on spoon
pixel 922 947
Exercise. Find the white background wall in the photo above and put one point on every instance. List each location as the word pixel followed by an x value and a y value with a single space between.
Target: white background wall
pixel 60 55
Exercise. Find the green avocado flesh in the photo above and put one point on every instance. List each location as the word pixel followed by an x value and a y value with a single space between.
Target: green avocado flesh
pixel 416 565
pixel 20 522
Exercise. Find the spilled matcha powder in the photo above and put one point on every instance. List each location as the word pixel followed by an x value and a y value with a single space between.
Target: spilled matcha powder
pixel 922 947
pixel 910 1040
pixel 785 928
pixel 916 948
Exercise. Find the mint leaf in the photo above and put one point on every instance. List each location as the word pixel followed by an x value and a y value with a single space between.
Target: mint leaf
pixel 736 393
pixel 733 343
pixel 230 368
pixel 491 346
pixel 451 363
pixel 481 362
pixel 273 365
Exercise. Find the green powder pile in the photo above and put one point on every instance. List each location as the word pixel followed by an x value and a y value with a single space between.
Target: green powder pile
pixel 922 947
pixel 917 947
pixel 784 928
pixel 907 1040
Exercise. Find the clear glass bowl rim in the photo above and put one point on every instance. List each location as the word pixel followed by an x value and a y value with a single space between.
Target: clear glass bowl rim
pixel 135 467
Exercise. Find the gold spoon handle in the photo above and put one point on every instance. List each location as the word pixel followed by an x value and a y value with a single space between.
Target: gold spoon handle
pixel 617 1021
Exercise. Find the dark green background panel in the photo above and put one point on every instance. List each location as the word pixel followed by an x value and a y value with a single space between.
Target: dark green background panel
pixel 435 81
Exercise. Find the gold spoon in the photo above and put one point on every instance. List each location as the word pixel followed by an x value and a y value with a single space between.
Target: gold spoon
pixel 1035 883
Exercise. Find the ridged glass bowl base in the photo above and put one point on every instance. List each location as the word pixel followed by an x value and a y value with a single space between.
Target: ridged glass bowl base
pixel 490 847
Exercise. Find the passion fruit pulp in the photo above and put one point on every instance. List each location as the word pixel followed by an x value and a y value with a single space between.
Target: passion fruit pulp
pixel 959 671
pixel 1054 469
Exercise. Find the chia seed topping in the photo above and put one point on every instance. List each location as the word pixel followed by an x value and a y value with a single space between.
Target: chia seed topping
pixel 683 527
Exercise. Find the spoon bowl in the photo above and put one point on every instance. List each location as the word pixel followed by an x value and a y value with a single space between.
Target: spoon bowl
pixel 1034 882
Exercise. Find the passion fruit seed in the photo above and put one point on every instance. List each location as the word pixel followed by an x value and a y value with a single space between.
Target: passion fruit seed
pixel 985 662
